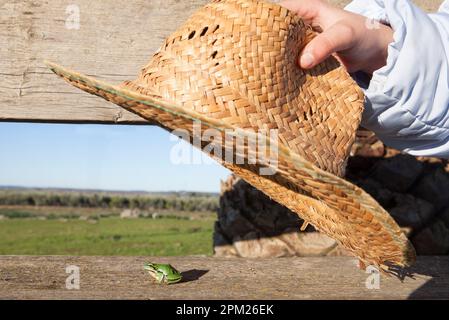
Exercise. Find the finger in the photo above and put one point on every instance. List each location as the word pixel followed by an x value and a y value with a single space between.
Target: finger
pixel 307 9
pixel 336 38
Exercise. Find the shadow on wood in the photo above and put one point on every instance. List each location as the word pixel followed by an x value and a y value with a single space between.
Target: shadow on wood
pixel 192 275
pixel 44 277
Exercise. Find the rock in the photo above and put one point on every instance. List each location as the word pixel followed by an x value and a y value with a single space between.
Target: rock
pixel 377 191
pixel 411 212
pixel 445 217
pixel 226 251
pixel 376 149
pixel 219 238
pixel 222 246
pixel 433 240
pixel 407 231
pixel 309 244
pixel 155 215
pixel 434 187
pixel 244 209
pixel 234 224
pixel 398 172
pixel 371 186
pixel 2 217
pixel 366 151
pixel 385 198
pixel 252 246
pixel 130 214
pixel 339 251
pixel 367 145
pixel 390 152
pixel 303 244
pixel 251 225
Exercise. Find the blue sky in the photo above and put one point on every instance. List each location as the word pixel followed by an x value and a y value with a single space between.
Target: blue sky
pixel 102 157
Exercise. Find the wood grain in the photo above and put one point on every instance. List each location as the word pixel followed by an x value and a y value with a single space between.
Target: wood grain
pixel 116 38
pixel 44 277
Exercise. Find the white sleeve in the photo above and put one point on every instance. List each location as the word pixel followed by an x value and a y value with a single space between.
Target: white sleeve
pixel 407 101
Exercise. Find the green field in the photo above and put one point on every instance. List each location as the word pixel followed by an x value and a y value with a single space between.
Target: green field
pixel 165 236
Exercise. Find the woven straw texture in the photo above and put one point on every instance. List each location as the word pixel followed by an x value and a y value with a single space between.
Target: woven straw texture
pixel 232 67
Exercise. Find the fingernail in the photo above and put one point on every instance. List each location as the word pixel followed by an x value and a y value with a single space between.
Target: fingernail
pixel 307 60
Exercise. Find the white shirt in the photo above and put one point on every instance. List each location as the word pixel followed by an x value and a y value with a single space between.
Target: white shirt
pixel 407 101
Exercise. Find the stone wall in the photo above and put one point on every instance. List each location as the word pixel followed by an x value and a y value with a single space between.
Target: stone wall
pixel 414 190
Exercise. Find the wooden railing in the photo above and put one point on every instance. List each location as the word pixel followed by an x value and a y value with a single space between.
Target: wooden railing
pixel 114 40
pixel 53 277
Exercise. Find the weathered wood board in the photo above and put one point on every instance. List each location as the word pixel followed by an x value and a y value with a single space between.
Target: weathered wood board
pixel 44 277
pixel 115 38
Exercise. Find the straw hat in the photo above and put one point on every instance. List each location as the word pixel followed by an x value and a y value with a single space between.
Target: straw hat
pixel 232 68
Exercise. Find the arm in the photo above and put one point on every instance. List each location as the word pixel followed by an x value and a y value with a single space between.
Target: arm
pixel 407 98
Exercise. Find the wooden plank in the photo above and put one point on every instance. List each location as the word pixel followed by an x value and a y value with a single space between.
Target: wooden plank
pixel 44 277
pixel 115 38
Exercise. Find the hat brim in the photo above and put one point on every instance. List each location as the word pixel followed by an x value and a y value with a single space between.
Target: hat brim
pixel 331 204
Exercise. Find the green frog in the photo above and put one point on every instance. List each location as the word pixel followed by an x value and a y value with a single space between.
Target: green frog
pixel 163 273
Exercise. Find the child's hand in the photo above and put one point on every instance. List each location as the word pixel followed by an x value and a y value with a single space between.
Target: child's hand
pixel 361 44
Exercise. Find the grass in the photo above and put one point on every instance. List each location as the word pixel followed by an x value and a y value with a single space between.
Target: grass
pixel 14 212
pixel 106 236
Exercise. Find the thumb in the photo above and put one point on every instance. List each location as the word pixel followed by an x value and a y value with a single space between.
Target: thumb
pixel 336 38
